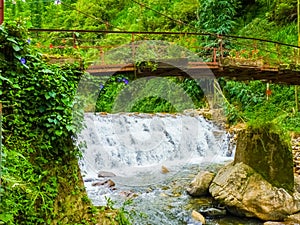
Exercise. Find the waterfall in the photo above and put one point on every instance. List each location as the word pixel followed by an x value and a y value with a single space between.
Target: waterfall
pixel 128 143
pixel 135 146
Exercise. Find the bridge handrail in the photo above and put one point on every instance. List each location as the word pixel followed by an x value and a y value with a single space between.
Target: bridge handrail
pixel 158 33
pixel 268 51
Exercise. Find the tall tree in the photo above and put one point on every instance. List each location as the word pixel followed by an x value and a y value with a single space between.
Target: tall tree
pixel 217 16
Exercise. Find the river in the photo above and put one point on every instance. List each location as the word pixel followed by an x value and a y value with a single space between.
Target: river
pixel 154 158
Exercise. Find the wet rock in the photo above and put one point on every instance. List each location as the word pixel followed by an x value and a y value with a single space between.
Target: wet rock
pixel 247 193
pixel 273 223
pixel 107 183
pixel 89 180
pixel 106 174
pixel 198 217
pixel 110 183
pixel 200 184
pixel 297 183
pixel 98 183
pixel 295 218
pixel 164 170
pixel 193 222
pixel 128 194
pixel 213 212
pixel 279 223
pixel 164 195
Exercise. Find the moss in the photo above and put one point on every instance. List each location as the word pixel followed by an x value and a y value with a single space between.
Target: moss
pixel 266 150
pixel 72 205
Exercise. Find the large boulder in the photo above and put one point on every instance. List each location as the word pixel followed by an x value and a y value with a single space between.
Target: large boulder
pixel 200 184
pixel 246 193
pixel 268 153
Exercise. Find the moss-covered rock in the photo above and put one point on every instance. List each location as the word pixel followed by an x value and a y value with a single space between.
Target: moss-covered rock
pixel 72 204
pixel 265 150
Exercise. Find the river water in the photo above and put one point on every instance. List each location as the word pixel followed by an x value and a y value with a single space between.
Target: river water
pixel 154 158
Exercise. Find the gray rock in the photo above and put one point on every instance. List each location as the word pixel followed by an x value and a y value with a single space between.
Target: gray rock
pixel 106 174
pixel 247 193
pixel 88 180
pixel 200 184
pixel 106 183
pixel 213 212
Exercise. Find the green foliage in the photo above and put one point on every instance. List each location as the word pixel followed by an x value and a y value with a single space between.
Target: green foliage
pixel 217 16
pixel 261 27
pixel 27 192
pixel 248 102
pixel 103 15
pixel 109 91
pixel 37 103
pixel 270 127
pixel 37 97
pixel 123 217
pixel 282 11
pixel 153 104
pixel 120 94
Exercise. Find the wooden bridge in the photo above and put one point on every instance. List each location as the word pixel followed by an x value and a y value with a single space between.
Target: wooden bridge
pixel 240 72
pixel 233 57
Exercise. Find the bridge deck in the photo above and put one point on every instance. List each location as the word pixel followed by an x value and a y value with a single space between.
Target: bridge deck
pixel 199 70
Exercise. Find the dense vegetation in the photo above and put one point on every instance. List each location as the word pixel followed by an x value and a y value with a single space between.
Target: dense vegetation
pixel 40 177
pixel 38 151
pixel 39 161
pixel 248 102
pixel 149 95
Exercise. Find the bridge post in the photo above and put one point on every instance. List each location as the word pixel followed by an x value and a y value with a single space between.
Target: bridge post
pixel 102 55
pixel 133 54
pixel 215 55
pixel 74 39
pixel 278 53
pixel 220 48
pixel 132 45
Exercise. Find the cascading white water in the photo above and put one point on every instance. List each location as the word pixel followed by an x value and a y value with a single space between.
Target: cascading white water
pixel 130 143
pixel 135 146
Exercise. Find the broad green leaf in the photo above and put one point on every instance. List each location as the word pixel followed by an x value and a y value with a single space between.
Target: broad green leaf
pixel 42 109
pixel 6 79
pixel 60 108
pixel 11 39
pixel 58 132
pixel 16 47
pixel 47 71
